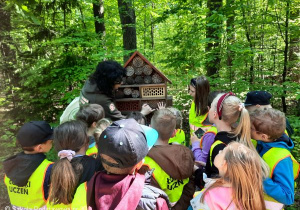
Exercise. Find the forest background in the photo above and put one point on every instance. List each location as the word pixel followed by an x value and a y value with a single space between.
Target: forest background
pixel 48 49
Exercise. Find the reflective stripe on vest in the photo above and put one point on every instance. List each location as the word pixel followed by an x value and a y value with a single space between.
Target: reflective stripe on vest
pixel 32 195
pixel 271 203
pixel 172 187
pixel 213 130
pixel 92 151
pixel 274 155
pixel 179 137
pixel 197 120
pixel 78 203
pixel 217 142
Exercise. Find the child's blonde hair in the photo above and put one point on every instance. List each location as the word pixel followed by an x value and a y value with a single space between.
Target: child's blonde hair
pixel 230 109
pixel 178 116
pixel 244 174
pixel 164 121
pixel 268 121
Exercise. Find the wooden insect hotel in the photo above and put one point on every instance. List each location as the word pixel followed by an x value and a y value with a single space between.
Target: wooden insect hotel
pixel 142 84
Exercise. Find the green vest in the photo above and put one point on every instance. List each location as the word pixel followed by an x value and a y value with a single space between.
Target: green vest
pixel 93 151
pixel 78 203
pixel 172 187
pixel 217 142
pixel 213 130
pixel 275 154
pixel 32 195
pixel 197 120
pixel 179 137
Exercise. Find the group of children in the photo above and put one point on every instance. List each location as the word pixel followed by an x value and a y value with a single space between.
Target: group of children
pixel 238 157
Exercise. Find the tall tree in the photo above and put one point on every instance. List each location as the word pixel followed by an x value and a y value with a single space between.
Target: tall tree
pixel 98 10
pixel 127 17
pixel 230 14
pixel 213 27
pixel 8 55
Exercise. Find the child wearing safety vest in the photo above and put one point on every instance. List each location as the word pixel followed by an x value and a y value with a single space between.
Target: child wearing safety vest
pixel 201 146
pixel 198 115
pixel 225 111
pixel 179 137
pixel 260 99
pixel 274 146
pixel 91 114
pixel 173 164
pixel 71 173
pixel 239 185
pixel 27 174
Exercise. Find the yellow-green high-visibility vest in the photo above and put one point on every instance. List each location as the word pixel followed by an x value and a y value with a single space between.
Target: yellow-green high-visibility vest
pixel 254 142
pixel 179 137
pixel 172 187
pixel 93 151
pixel 217 142
pixel 32 195
pixel 213 130
pixel 274 155
pixel 78 203
pixel 197 120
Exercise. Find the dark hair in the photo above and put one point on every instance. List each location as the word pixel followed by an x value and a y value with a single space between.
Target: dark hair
pixel 71 135
pixel 212 95
pixel 90 113
pixel 202 87
pixel 137 116
pixel 107 74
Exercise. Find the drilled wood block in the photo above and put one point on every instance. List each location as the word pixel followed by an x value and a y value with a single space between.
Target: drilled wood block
pixel 129 71
pixel 147 70
pixel 138 62
pixel 135 94
pixel 156 78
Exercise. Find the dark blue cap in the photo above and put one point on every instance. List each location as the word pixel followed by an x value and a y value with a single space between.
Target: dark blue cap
pixel 258 97
pixel 34 133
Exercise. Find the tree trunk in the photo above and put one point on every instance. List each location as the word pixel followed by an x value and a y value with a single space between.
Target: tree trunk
pixel 127 17
pixel 98 10
pixel 7 56
pixel 286 50
pixel 212 48
pixel 230 37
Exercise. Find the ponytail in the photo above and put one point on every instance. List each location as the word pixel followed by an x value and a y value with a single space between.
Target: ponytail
pixel 243 130
pixel 69 138
pixel 63 182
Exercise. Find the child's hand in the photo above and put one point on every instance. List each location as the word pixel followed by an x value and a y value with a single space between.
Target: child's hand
pixel 194 138
pixel 146 109
pixel 161 105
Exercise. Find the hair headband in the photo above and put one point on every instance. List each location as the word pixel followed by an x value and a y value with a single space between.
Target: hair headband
pixel 221 101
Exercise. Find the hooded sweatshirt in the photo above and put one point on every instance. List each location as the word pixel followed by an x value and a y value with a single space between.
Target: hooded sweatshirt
pixel 178 162
pixel 20 167
pixel 91 92
pixel 281 186
pixel 115 192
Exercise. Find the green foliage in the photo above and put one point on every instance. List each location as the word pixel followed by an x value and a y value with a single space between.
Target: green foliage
pixel 50 47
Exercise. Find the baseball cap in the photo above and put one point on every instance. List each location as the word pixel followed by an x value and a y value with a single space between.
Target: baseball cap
pixel 34 133
pixel 127 142
pixel 258 97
